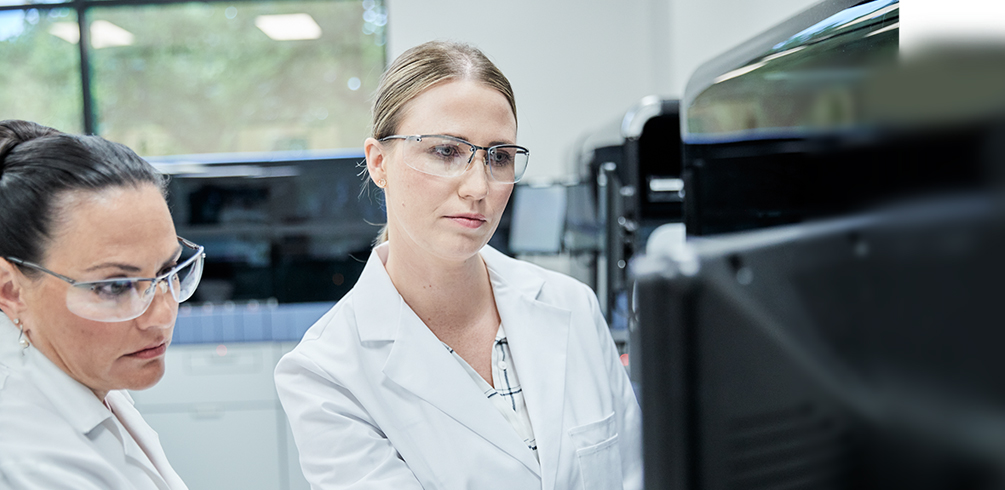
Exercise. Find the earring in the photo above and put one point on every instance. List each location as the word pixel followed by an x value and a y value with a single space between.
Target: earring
pixel 381 183
pixel 21 339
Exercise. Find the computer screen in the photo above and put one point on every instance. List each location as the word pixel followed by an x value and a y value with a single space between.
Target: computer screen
pixel 856 353
pixel 538 219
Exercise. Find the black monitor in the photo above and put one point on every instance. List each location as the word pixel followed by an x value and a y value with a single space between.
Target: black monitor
pixel 291 226
pixel 864 352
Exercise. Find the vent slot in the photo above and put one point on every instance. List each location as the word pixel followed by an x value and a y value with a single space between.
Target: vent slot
pixel 795 448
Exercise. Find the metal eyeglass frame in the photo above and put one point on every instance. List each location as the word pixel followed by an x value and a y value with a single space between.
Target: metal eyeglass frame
pixel 200 253
pixel 474 149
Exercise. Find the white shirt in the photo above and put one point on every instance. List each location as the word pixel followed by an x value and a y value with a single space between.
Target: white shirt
pixel 55 434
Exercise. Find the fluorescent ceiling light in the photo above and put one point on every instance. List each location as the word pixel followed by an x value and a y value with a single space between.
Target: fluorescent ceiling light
pixel 104 34
pixel 67 31
pixel 288 27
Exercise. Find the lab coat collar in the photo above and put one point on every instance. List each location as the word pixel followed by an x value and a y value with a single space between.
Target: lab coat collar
pixel 419 363
pixel 78 405
pixel 538 336
pixel 376 323
pixel 147 451
pixel 75 402
pixel 382 323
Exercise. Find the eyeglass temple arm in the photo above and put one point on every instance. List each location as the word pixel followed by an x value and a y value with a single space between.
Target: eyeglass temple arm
pixel 189 244
pixel 31 265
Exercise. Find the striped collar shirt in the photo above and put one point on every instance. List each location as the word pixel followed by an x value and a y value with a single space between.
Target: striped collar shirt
pixel 506 395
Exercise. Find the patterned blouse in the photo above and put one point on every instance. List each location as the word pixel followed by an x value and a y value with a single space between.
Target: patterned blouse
pixel 506 396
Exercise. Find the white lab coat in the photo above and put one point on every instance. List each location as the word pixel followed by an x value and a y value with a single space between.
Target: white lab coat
pixel 55 434
pixel 376 401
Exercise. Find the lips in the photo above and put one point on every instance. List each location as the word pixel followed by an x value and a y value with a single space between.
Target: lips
pixel 468 220
pixel 150 352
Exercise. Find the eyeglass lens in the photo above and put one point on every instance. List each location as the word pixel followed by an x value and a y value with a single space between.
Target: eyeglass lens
pixel 448 157
pixel 121 300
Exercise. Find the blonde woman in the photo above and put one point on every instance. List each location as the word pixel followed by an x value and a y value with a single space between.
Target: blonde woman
pixel 450 365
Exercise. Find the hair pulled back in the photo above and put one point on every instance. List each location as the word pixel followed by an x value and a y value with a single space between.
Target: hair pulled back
pixel 39 165
pixel 418 69
pixel 423 66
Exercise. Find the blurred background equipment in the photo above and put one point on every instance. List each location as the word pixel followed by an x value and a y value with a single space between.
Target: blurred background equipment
pixel 834 320
pixel 633 170
pixel 861 352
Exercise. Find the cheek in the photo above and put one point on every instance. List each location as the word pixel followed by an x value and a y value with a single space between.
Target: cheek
pixel 501 198
pixel 91 340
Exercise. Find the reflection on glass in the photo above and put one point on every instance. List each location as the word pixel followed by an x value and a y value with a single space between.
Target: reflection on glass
pixel 237 77
pixel 815 80
pixel 45 86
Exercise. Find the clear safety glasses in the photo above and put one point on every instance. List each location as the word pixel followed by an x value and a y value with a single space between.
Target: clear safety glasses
pixel 121 299
pixel 447 156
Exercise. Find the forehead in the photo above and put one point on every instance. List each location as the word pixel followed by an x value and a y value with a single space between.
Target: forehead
pixel 463 108
pixel 129 224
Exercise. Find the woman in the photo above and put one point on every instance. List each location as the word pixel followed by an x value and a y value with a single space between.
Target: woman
pixel 91 274
pixel 450 365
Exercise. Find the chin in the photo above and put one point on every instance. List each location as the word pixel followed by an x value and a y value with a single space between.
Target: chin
pixel 146 377
pixel 462 249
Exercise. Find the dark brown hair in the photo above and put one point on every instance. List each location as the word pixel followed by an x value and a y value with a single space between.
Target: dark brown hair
pixel 39 165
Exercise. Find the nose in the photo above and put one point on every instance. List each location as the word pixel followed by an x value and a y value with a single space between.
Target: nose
pixel 163 309
pixel 475 180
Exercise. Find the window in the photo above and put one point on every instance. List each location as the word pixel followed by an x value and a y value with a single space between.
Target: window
pixel 39 72
pixel 195 78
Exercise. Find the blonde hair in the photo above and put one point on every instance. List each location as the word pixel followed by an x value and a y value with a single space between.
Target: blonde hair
pixel 418 69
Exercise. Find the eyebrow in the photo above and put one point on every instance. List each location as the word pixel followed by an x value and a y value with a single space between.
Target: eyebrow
pixel 494 143
pixel 132 268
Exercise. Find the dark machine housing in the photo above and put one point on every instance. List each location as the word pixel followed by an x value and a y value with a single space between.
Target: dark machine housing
pixel 835 320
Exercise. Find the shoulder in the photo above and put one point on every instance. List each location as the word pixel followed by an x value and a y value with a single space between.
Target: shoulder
pixel 542 284
pixel 329 344
pixel 31 428
pixel 337 324
pixel 23 408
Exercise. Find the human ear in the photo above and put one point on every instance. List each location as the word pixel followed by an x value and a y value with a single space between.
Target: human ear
pixel 375 161
pixel 11 289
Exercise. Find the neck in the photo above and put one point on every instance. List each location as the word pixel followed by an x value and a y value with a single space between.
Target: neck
pixel 101 396
pixel 40 344
pixel 449 296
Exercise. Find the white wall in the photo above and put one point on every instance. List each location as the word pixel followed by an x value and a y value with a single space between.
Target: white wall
pixel 704 29
pixel 577 65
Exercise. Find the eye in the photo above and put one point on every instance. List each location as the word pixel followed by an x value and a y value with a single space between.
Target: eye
pixel 112 289
pixel 446 152
pixel 502 157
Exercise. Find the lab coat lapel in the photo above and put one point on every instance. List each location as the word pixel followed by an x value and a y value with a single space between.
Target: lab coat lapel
pixel 419 363
pixel 538 335
pixel 147 451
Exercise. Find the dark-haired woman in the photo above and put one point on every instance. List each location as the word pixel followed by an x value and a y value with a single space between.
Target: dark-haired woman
pixel 91 274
